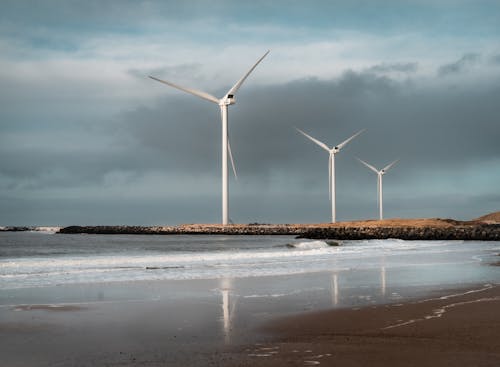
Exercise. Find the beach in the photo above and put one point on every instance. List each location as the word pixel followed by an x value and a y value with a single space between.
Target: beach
pixel 459 329
pixel 96 300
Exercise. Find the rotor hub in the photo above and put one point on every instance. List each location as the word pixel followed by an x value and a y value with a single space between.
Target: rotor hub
pixel 228 100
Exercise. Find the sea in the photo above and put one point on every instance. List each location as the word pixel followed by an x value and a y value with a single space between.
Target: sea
pixel 44 258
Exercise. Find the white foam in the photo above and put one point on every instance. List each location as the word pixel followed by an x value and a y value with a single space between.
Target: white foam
pixel 48 230
pixel 277 295
pixel 310 245
pixel 306 257
pixel 440 311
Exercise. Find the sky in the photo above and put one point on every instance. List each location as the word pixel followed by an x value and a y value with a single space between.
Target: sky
pixel 87 138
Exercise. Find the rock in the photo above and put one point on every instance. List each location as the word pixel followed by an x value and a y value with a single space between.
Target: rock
pixel 333 243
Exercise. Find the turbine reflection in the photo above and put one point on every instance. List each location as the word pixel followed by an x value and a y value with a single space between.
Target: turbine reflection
pixel 382 280
pixel 335 289
pixel 227 308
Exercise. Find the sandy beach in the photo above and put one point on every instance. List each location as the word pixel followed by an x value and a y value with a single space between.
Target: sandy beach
pixel 459 327
pixel 452 329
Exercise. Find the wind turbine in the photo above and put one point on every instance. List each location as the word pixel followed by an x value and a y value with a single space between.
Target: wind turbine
pixel 224 102
pixel 380 173
pixel 331 164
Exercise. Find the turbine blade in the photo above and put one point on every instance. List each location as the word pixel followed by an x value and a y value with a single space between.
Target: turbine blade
pixel 194 92
pixel 368 165
pixel 232 160
pixel 238 84
pixel 321 144
pixel 341 145
pixel 386 168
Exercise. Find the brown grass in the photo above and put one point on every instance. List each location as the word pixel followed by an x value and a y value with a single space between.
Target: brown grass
pixel 492 218
pixel 397 222
pixel 489 218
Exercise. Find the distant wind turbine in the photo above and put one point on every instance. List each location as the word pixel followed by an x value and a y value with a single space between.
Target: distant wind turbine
pixel 223 102
pixel 380 173
pixel 331 164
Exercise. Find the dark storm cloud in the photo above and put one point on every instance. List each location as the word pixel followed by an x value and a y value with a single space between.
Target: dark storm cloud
pixel 40 166
pixel 434 131
pixel 465 62
pixel 428 129
pixel 437 133
pixel 41 169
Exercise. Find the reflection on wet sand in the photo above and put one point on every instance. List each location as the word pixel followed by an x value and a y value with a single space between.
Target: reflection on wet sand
pixel 335 289
pixel 334 286
pixel 382 280
pixel 227 308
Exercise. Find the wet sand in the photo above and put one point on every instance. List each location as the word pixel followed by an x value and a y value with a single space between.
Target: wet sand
pixel 446 328
pixel 354 317
pixel 458 329
pixel 48 308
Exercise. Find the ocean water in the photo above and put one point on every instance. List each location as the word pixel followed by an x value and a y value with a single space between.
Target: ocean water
pixel 37 259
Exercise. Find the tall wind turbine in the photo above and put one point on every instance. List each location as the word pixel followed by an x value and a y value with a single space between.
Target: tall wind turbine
pixel 224 102
pixel 380 173
pixel 331 164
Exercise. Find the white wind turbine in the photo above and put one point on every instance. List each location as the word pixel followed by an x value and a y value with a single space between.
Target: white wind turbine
pixel 331 164
pixel 380 173
pixel 224 102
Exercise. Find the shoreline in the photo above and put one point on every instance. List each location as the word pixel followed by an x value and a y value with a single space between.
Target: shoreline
pixel 460 329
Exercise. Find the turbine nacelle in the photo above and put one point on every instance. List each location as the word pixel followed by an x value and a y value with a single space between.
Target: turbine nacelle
pixel 227 100
pixel 381 172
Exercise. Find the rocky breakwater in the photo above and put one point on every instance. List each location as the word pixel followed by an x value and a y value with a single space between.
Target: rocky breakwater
pixel 192 229
pixel 405 229
pixel 481 232
pixel 112 230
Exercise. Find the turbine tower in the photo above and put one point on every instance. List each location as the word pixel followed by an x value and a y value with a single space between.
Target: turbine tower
pixel 331 164
pixel 380 173
pixel 227 100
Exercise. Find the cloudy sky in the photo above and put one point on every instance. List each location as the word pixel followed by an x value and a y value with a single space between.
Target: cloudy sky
pixel 87 138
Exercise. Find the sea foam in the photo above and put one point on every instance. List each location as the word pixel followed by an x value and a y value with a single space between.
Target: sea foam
pixel 309 245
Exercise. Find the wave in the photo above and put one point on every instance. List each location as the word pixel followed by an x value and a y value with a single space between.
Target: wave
pixel 310 245
pixel 298 257
pixel 47 230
